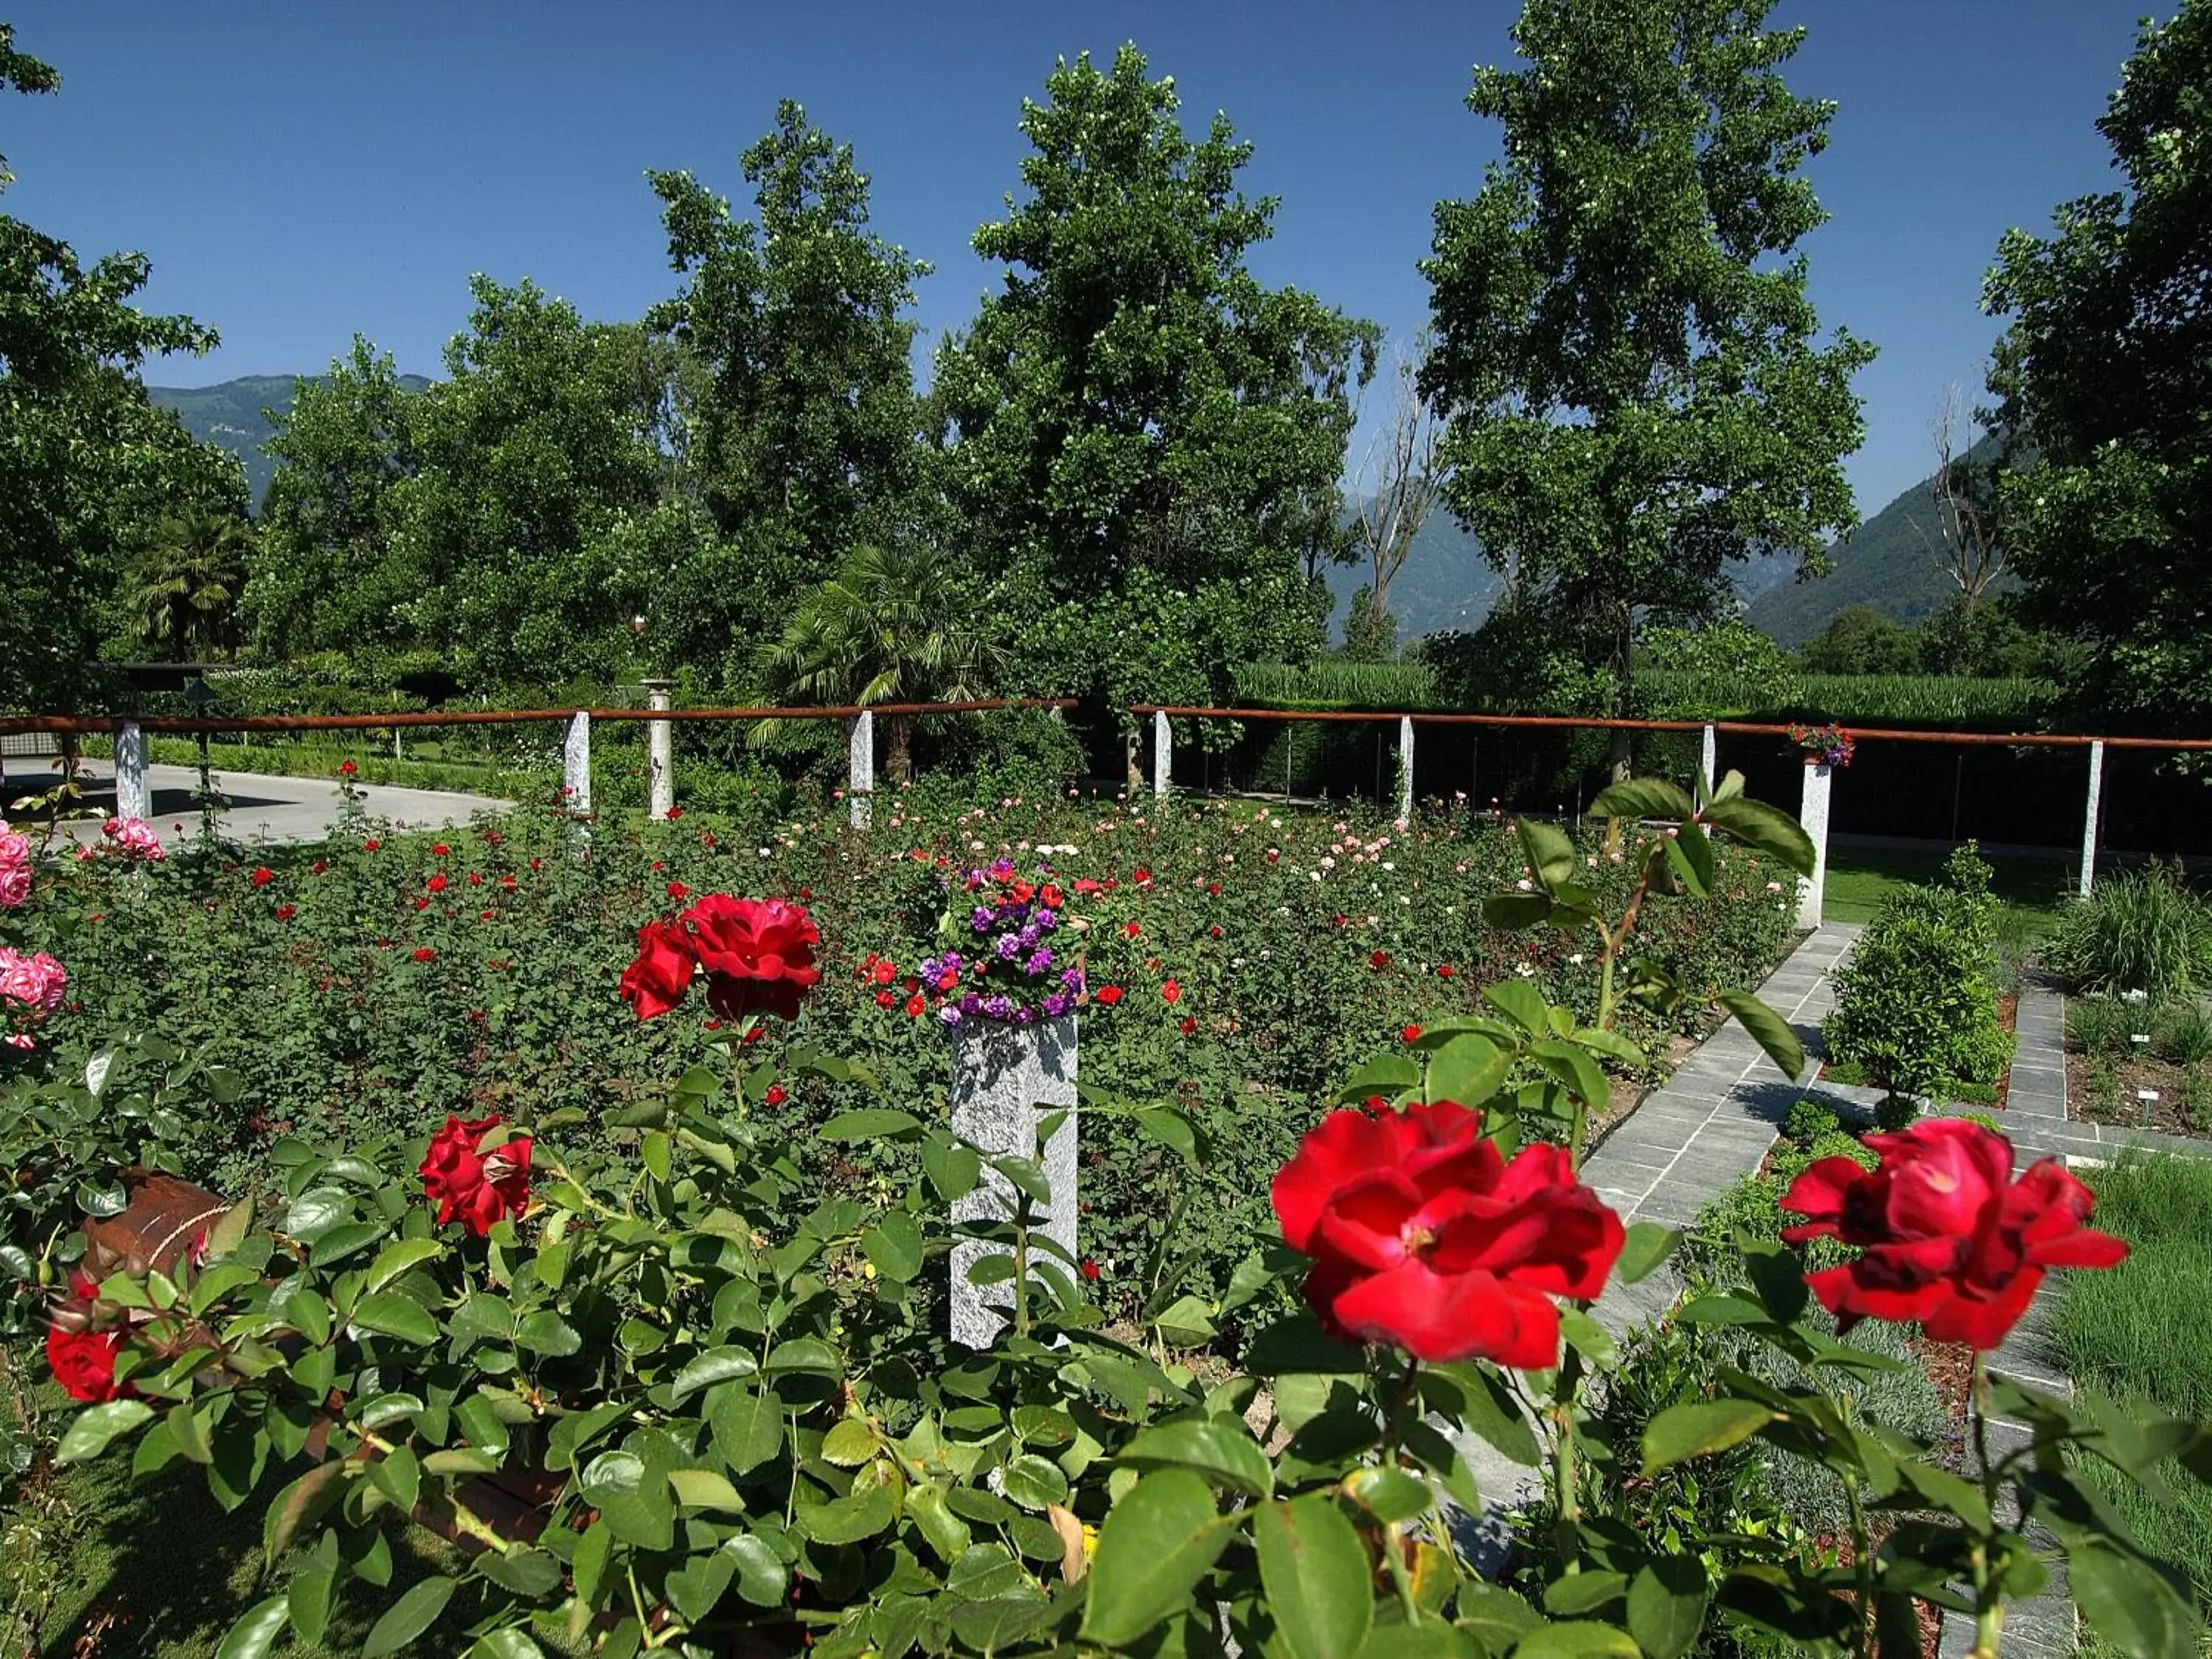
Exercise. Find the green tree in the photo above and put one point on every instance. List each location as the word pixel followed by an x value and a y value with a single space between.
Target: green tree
pixel 1623 345
pixel 806 432
pixel 2107 371
pixel 889 629
pixel 325 578
pixel 184 585
pixel 1861 639
pixel 86 463
pixel 1133 402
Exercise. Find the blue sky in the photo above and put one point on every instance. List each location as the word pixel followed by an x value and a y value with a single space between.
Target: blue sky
pixel 300 172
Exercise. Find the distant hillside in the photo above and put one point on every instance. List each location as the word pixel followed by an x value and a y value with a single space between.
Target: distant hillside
pixel 1445 584
pixel 229 415
pixel 1889 562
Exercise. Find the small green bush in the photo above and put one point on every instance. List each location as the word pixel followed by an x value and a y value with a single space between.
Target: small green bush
pixel 1916 1005
pixel 1808 1120
pixel 2101 1025
pixel 2184 1033
pixel 2137 931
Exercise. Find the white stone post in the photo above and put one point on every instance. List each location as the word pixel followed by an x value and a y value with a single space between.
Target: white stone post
pixel 576 770
pixel 1709 760
pixel 134 798
pixel 660 753
pixel 1814 815
pixel 861 770
pixel 1406 767
pixel 2089 818
pixel 1163 753
pixel 1005 1080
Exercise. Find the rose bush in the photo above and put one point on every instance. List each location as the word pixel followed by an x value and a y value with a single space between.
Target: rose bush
pixel 722 1387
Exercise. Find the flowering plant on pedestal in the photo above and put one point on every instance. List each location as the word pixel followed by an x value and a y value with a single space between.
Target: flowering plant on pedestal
pixel 1825 745
pixel 1008 954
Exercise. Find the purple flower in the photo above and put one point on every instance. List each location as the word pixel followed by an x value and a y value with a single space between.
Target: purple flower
pixel 1047 920
pixel 1072 978
pixel 998 1008
pixel 1009 947
pixel 1001 869
pixel 1055 1004
pixel 969 1002
pixel 980 919
pixel 1038 963
pixel 950 1016
pixel 1024 1016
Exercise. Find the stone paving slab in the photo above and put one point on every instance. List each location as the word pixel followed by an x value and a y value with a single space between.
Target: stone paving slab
pixel 256 807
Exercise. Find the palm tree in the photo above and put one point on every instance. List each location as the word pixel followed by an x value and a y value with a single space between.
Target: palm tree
pixel 889 629
pixel 186 583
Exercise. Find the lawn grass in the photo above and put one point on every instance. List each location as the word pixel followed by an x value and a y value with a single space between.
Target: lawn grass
pixel 2137 1333
pixel 1861 877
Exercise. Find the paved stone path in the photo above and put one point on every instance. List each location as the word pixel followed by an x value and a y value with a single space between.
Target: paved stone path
pixel 257 807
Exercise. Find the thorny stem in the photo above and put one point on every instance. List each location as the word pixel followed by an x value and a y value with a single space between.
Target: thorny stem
pixel 465 1520
pixel 1022 1270
pixel 1862 1562
pixel 1566 1522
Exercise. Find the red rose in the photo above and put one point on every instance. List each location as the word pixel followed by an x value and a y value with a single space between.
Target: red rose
pixel 1187 1026
pixel 476 1187
pixel 1050 896
pixel 1171 993
pixel 1142 876
pixel 1130 929
pixel 263 876
pixel 661 976
pixel 371 844
pixel 883 971
pixel 347 768
pixel 775 1095
pixel 1108 994
pixel 321 865
pixel 1948 1238
pixel 1445 970
pixel 1088 1268
pixel 673 813
pixel 421 904
pixel 439 849
pixel 424 953
pixel 82 1360
pixel 475 879
pixel 886 1000
pixel 1410 1033
pixel 677 890
pixel 286 912
pixel 758 954
pixel 913 1007
pixel 1379 959
pixel 436 883
pixel 1425 1237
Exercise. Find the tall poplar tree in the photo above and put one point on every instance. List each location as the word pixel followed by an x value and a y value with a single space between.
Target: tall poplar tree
pixel 1631 367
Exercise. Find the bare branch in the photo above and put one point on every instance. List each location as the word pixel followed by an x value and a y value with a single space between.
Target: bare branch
pixel 1970 556
pixel 1398 480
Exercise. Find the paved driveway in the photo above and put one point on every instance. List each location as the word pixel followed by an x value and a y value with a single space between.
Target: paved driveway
pixel 257 808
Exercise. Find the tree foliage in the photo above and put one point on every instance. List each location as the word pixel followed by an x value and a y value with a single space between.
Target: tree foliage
pixel 2107 369
pixel 1134 407
pixel 183 587
pixel 1624 343
pixel 86 463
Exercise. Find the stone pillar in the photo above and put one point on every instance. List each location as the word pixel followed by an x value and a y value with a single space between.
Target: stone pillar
pixel 1005 1080
pixel 861 770
pixel 1163 753
pixel 1406 767
pixel 576 769
pixel 660 753
pixel 1710 758
pixel 2089 824
pixel 1814 815
pixel 134 797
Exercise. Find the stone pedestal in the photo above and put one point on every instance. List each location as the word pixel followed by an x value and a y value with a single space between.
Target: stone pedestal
pixel 1163 754
pixel 660 753
pixel 1005 1079
pixel 576 771
pixel 134 796
pixel 861 770
pixel 1814 815
pixel 1406 768
pixel 2089 817
pixel 1708 758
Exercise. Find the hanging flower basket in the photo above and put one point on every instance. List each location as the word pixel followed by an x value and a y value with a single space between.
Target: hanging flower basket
pixel 1823 745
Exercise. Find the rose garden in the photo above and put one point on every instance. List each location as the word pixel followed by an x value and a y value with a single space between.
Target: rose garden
pixel 508 1241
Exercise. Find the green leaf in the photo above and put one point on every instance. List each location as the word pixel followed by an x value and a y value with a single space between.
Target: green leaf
pixel 1574 1068
pixel 803 1355
pixel 92 1430
pixel 848 1520
pixel 952 1168
pixel 310 1597
pixel 1388 1075
pixel 870 1123
pixel 1583 1592
pixel 1667 1605
pixel 1550 855
pixel 1649 1246
pixel 1642 798
pixel 1691 853
pixel 399 1257
pixel 1481 1402
pixel 748 1428
pixel 257 1629
pixel 1171 1129
pixel 398 1475
pixel 894 1245
pixel 1034 1482
pixel 190 1433
pixel 850 1443
pixel 1701 1428
pixel 1522 1003
pixel 697 1585
pixel 300 1505
pixel 1156 1543
pixel 528 1572
pixel 507 1641
pixel 634 1497
pixel 1580 1638
pixel 944 1532
pixel 546 1332
pixel 716 1366
pixel 218 1282
pixel 1221 1448
pixel 1390 1493
pixel 1589 1339
pixel 1766 830
pixel 705 1489
pixel 407 1618
pixel 761 1575
pixel 1469 1069
pixel 1316 1576
pixel 1769 1030
pixel 2128 1604
pixel 400 1317
pixel 1512 912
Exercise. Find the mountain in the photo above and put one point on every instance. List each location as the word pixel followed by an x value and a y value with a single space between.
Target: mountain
pixel 229 415
pixel 1445 583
